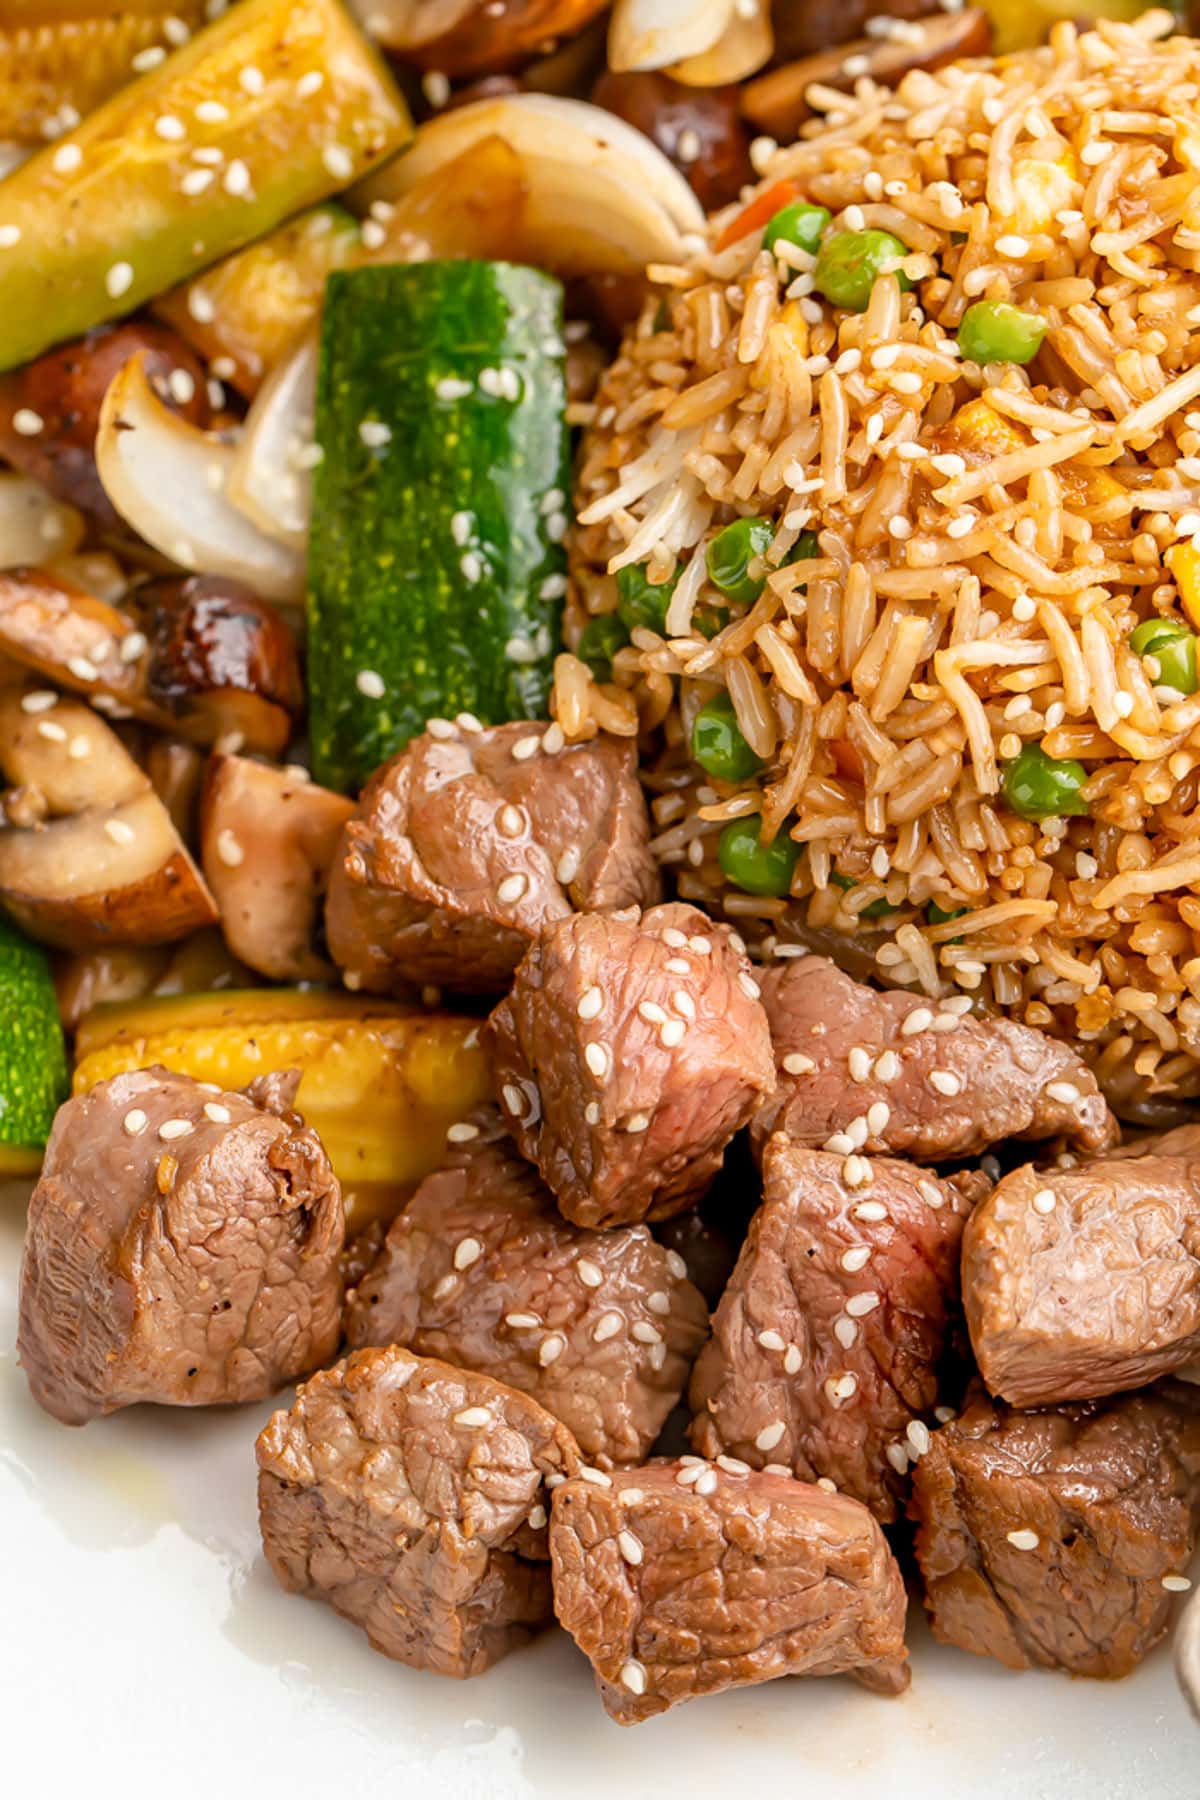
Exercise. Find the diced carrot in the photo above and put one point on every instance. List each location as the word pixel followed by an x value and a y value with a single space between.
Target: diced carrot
pixel 847 758
pixel 1183 560
pixel 760 210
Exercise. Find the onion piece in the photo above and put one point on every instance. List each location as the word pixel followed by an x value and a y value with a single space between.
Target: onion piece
pixel 650 34
pixel 268 482
pixel 167 479
pixel 742 48
pixel 599 196
pixel 33 524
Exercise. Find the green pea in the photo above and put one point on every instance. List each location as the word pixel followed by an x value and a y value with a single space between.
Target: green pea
pixel 642 602
pixel 876 910
pixel 1173 647
pixel 732 551
pixel 599 642
pixel 718 744
pixel 1038 787
pixel 708 620
pixel 799 224
pixel 851 262
pixel 750 864
pixel 992 331
pixel 937 915
pixel 804 549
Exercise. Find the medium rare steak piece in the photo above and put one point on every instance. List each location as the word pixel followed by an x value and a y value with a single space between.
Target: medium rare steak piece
pixel 899 1074
pixel 412 1497
pixel 684 1578
pixel 183 1247
pixel 1080 1282
pixel 470 841
pixel 831 1337
pixel 1054 1539
pixel 628 1053
pixel 482 1270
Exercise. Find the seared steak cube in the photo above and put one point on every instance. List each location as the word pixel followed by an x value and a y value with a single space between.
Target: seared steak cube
pixel 183 1247
pixel 1080 1282
pixel 469 841
pixel 627 1055
pixel 684 1578
pixel 482 1270
pixel 829 1341
pixel 412 1497
pixel 898 1074
pixel 1054 1539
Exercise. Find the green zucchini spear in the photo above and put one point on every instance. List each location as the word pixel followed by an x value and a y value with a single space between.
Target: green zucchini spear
pixel 268 110
pixel 33 1062
pixel 436 568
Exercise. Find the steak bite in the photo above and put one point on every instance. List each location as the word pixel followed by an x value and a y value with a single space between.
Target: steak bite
pixel 1056 1539
pixel 183 1247
pixel 482 1270
pixel 413 1497
pixel 469 841
pixel 1080 1282
pixel 627 1055
pixel 898 1074
pixel 684 1578
pixel 830 1339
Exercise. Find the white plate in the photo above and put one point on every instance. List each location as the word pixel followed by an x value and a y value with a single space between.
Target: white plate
pixel 147 1651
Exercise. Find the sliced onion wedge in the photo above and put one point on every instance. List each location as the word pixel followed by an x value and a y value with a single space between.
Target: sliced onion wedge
pixel 742 49
pixel 268 480
pixel 599 197
pixel 649 34
pixel 168 480
pixel 34 526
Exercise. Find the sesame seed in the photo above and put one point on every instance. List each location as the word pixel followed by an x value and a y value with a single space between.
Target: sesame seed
pixel 771 1340
pixel 134 1122
pixel 551 1348
pixel 567 867
pixel 652 1012
pixel 473 1416
pixel 630 1547
pixel 607 1327
pixel 732 1465
pixel 887 1066
pixel 919 1440
pixel 119 280
pixel 219 1115
pixel 511 889
pixel 877 1118
pixel 944 1414
pixel 749 986
pixel 795 1064
pixel 598 1060
pixel 897 1455
pixel 931 1194
pixel 338 161
pixel 119 831
pixel 700 946
pixel 859 1063
pixel 39 701
pixel 920 1019
pixel 451 388
pixel 683 1003
pixel 462 1133
pixel 631 1496
pixel 1064 1091
pixel 589 1272
pixel 676 939
pixel 514 1099
pixel 148 59
pixel 1012 245
pixel 591 1113
pixel 554 739
pixel 633 1677
pixel 174 1128
pixel 840 1144
pixel 672 1034
pixel 467 1251
pixel 525 747
pixel 470 565
pixel 856 1258
pixel 67 158
pixel 637 1122
pixel 1023 1539
pixel 537 1517
pixel 856 1171
pixel 169 128
pixel 310 83
pixel 846 1332
pixel 522 1321
pixel 52 731
pixel 1045 1200
pixel 793 1357
pixel 858 1305
pixel 78 748
pixel 872 1212
pixel 251 80
pixel 841 1387
pixel 591 1004
pixel 658 1302
pixel 825 1484
pixel 597 1477
pixel 770 1435
pixel 1176 1584
pixel 82 668
pixel 706 1482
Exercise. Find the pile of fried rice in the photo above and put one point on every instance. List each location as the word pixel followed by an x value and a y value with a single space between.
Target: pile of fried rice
pixel 988 539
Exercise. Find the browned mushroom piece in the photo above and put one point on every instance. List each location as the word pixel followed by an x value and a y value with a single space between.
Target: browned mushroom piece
pixel 104 865
pixel 700 129
pixel 50 409
pixel 96 977
pixel 201 657
pixel 474 37
pixel 176 771
pixel 267 841
pixel 820 24
pixel 777 102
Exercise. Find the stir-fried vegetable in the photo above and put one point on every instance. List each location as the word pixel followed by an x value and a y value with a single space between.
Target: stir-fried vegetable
pixel 287 102
pixel 750 864
pixel 798 223
pixel 1039 786
pixel 851 262
pixel 994 331
pixel 1173 648
pixel 436 569
pixel 33 1063
pixel 380 1083
pixel 718 743
pixel 732 554
pixel 641 601
pixel 599 642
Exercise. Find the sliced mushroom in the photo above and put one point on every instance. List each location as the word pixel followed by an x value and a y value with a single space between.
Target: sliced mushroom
pixel 176 770
pixel 33 524
pixel 473 37
pixel 50 409
pixel 267 840
pixel 744 46
pixel 94 977
pixel 700 129
pixel 106 867
pixel 200 656
pixel 650 34
pixel 777 102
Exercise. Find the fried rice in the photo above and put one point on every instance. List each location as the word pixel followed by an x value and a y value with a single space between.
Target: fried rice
pixel 988 539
